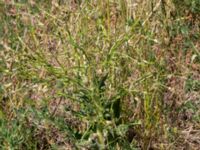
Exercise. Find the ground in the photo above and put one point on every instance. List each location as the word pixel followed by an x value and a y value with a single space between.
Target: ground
pixel 100 74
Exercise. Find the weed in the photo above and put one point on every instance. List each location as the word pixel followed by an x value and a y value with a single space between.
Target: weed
pixel 109 74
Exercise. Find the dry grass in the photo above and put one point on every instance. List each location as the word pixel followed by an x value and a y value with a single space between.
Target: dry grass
pixel 112 74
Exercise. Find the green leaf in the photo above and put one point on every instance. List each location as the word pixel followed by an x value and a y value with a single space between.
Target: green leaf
pixel 116 108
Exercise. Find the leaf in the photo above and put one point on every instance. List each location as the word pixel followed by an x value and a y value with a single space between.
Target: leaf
pixel 122 129
pixel 1 115
pixel 102 82
pixel 116 108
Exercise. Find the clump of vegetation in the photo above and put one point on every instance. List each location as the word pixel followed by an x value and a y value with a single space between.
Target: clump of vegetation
pixel 103 74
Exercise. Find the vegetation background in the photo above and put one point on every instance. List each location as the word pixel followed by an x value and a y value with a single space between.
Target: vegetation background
pixel 100 74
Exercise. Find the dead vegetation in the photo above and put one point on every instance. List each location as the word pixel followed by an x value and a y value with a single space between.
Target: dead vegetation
pixel 102 74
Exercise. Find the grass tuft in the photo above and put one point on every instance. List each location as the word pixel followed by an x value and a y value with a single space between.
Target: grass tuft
pixel 103 74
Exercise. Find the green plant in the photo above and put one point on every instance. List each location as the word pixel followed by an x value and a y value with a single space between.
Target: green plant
pixel 110 74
